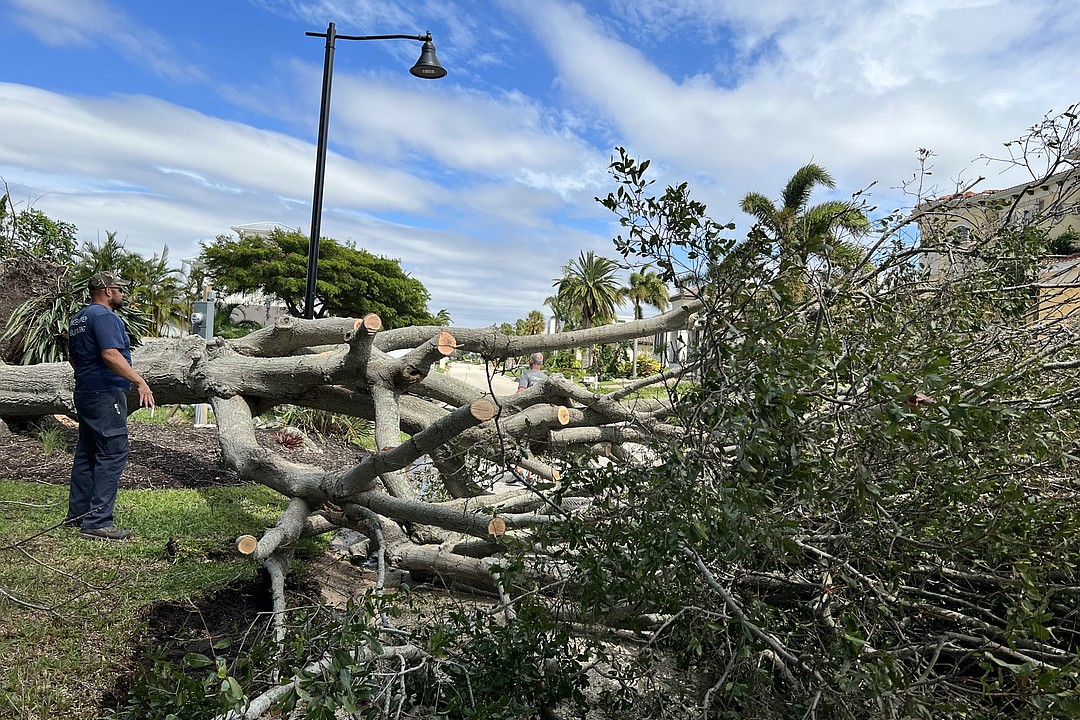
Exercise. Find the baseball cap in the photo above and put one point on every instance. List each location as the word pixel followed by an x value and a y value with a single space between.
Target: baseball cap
pixel 102 280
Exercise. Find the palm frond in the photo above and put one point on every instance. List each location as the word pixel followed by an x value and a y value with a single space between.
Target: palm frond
pixel 796 193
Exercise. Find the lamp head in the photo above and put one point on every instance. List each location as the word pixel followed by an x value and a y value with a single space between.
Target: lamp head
pixel 428 66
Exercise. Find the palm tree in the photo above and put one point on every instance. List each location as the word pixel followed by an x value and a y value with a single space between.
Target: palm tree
pixel 108 256
pixel 560 311
pixel 443 317
pixel 588 290
pixel 799 229
pixel 645 288
pixel 42 320
pixel 158 291
pixel 531 324
pixel 588 293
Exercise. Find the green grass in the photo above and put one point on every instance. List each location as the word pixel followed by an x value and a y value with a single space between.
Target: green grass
pixel 56 661
pixel 162 414
pixel 52 441
pixel 652 392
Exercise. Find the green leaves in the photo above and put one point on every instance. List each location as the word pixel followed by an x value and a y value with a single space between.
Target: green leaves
pixel 40 323
pixel 197 660
pixel 351 282
pixel 588 291
pixel 31 232
pixel 878 472
pixel 671 230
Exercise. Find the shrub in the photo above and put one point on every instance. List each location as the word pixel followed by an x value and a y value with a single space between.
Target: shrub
pixel 565 361
pixel 608 359
pixel 350 429
pixel 646 366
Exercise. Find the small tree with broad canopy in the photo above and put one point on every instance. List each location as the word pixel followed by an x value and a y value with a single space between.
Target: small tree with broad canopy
pixel 351 282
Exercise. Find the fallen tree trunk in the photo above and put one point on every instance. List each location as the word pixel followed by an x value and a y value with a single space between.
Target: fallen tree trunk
pixel 343 365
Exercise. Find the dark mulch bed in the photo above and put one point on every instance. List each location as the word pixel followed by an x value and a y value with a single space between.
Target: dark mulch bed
pixel 162 456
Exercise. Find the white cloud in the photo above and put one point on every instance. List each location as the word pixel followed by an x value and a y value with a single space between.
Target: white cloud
pixel 99 23
pixel 857 85
pixel 157 173
pixel 141 138
pixel 502 135
pixel 359 13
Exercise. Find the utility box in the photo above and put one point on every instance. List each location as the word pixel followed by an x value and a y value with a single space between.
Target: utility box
pixel 202 324
pixel 202 319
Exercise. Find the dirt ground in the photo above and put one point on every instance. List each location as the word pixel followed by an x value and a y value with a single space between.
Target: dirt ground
pixel 162 456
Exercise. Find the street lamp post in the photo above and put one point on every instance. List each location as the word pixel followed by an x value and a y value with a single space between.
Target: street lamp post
pixel 427 66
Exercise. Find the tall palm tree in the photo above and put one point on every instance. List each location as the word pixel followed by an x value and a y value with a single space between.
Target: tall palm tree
pixel 588 292
pixel 588 289
pixel 799 229
pixel 645 288
pixel 531 324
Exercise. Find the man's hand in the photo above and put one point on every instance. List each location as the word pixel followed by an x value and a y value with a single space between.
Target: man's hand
pixel 116 362
pixel 146 395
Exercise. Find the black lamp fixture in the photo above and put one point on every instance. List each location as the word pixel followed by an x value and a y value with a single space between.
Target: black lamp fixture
pixel 427 66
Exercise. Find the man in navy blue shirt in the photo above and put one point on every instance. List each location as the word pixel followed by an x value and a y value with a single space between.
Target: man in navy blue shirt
pixel 100 351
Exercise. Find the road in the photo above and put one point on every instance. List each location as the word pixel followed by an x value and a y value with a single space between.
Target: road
pixel 476 375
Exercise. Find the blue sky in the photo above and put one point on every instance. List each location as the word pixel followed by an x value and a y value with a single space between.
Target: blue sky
pixel 170 122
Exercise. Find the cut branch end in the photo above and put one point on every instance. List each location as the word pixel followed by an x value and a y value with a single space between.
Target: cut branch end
pixel 371 323
pixel 447 343
pixel 482 409
pixel 246 545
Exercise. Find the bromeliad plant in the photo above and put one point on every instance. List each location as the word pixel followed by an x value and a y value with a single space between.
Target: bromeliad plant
pixel 42 321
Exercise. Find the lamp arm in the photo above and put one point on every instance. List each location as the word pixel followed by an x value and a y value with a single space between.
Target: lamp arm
pixel 422 38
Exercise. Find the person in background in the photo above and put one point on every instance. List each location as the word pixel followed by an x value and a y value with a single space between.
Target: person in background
pixel 533 374
pixel 100 351
pixel 529 377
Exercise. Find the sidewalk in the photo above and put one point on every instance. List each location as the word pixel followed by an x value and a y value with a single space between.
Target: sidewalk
pixel 475 375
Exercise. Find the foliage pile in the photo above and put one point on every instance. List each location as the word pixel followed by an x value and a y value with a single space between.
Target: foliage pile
pixel 868 512
pixel 872 514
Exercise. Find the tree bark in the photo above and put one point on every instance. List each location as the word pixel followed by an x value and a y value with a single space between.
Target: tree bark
pixel 343 365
